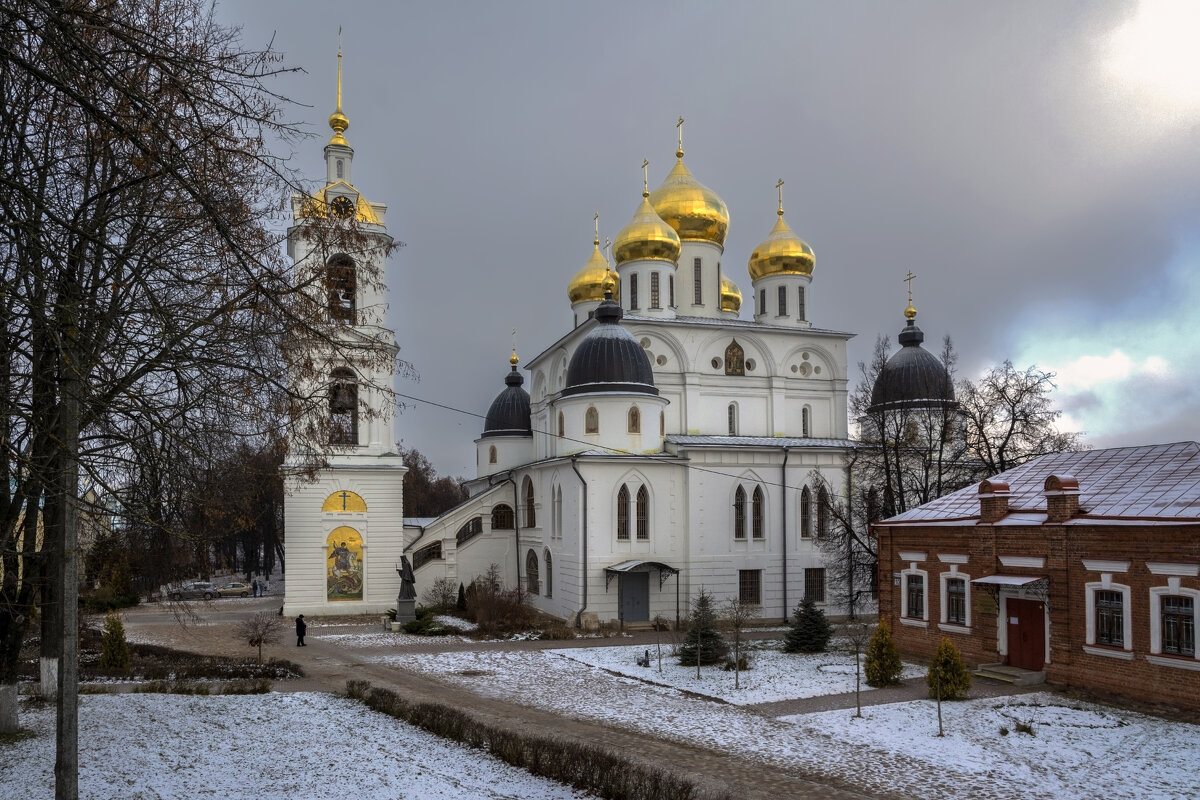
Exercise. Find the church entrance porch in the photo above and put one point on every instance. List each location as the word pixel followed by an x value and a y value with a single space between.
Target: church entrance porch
pixel 633 588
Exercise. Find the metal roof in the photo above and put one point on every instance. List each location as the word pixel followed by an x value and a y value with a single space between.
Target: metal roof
pixel 757 441
pixel 1151 482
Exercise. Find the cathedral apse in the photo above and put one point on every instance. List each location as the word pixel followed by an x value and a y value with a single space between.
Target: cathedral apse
pixel 344 568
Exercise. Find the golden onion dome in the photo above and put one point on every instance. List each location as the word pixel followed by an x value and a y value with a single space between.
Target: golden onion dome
pixel 690 207
pixel 646 237
pixel 781 253
pixel 731 296
pixel 589 282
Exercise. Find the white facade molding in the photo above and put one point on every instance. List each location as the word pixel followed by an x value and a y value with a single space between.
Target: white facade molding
pixel 1167 568
pixel 1029 562
pixel 1105 565
pixel 953 558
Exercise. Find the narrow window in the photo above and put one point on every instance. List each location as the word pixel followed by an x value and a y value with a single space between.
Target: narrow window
pixel 591 420
pixel 671 290
pixel 822 513
pixel 502 518
pixel 739 513
pixel 654 290
pixel 633 292
pixel 697 297
pixel 341 287
pixel 1110 618
pixel 343 408
pixel 733 419
pixel 1179 625
pixel 814 584
pixel 915 586
pixel 557 521
pixel 635 420
pixel 492 454
pixel 532 582
pixel 956 601
pixel 735 359
pixel 805 513
pixel 562 426
pixel 643 514
pixel 783 301
pixel 750 587
pixel 802 307
pixel 549 573
pixel 804 422
pixel 340 169
pixel 762 301
pixel 530 512
pixel 662 423
pixel 623 514
pixel 756 513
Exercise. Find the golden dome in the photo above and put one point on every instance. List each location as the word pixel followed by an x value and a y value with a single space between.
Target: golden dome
pixel 690 207
pixel 588 283
pixel 731 296
pixel 646 237
pixel 781 253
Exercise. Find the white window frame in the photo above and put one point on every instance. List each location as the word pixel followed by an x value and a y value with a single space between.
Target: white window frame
pixel 1156 655
pixel 1105 584
pixel 905 619
pixel 944 619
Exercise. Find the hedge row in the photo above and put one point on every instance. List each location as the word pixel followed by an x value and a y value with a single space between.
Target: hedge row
pixel 585 767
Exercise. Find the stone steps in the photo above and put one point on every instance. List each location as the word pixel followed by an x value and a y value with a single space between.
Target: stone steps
pixel 1014 675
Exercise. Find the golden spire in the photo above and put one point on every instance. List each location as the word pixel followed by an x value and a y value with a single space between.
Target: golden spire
pixel 608 250
pixel 338 120
pixel 910 313
pixel 596 220
pixel 645 178
pixel 779 188
pixel 679 150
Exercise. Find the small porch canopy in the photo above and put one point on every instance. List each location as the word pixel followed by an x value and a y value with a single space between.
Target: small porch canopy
pixel 1036 585
pixel 664 571
pixel 1009 580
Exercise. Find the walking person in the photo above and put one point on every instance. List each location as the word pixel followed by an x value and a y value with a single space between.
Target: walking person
pixel 301 627
pixel 254 587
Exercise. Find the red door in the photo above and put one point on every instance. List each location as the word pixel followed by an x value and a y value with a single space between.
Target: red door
pixel 1026 634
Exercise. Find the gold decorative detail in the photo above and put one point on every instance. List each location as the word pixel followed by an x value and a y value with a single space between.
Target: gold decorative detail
pixel 647 237
pixel 731 296
pixel 316 205
pixel 344 502
pixel 910 313
pixel 688 206
pixel 337 120
pixel 588 283
pixel 782 252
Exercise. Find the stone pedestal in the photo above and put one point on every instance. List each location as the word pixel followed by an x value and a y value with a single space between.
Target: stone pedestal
pixel 406 610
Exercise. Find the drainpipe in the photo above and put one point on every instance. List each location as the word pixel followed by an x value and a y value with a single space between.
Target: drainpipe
pixel 783 484
pixel 583 544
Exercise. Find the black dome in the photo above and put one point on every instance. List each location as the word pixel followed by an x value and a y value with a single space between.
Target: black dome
pixel 509 412
pixel 609 359
pixel 912 377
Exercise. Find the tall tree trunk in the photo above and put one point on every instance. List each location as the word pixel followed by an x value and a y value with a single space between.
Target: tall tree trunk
pixel 66 762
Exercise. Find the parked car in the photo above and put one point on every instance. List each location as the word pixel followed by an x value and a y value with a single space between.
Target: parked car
pixel 194 591
pixel 234 590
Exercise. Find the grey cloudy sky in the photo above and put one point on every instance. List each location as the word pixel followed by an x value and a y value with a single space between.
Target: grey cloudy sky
pixel 1035 164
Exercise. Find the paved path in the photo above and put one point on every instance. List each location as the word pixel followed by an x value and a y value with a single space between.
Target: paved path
pixel 329 666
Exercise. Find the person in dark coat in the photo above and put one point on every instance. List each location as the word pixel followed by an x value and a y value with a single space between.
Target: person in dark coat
pixel 300 629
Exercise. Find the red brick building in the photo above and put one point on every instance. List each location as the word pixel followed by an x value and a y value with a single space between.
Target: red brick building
pixel 1083 565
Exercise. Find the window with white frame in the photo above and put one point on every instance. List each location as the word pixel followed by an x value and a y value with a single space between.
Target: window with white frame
pixel 805 513
pixel 1173 621
pixel 956 598
pixel 913 607
pixel 732 414
pixel 1108 616
pixel 739 513
pixel 643 514
pixel 757 510
pixel 623 514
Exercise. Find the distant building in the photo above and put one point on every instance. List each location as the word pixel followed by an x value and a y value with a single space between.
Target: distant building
pixel 1084 566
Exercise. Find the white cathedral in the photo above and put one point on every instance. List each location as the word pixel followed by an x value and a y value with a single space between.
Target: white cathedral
pixel 668 446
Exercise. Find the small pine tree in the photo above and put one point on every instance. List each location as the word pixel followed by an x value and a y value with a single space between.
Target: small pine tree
pixel 114 650
pixel 882 663
pixel 948 670
pixel 809 631
pixel 461 605
pixel 702 636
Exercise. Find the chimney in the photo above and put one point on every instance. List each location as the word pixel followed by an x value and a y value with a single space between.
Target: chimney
pixel 1062 498
pixel 993 500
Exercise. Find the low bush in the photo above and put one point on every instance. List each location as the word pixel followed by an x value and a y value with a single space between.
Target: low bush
pixel 882 666
pixel 425 624
pixel 948 676
pixel 809 631
pixel 114 650
pixel 742 664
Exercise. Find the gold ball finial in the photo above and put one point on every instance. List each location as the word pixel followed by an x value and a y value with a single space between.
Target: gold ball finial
pixel 910 313
pixel 610 284
pixel 513 358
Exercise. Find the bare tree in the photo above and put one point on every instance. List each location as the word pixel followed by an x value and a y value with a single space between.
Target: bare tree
pixel 262 628
pixel 737 616
pixel 857 634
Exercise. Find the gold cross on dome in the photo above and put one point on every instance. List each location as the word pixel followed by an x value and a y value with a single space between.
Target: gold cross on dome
pixel 645 178
pixel 909 279
pixel 779 189
pixel 596 221
pixel 679 125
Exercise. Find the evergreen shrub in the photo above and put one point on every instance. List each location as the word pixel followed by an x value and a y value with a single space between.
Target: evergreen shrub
pixel 114 650
pixel 948 670
pixel 702 636
pixel 809 630
pixel 882 663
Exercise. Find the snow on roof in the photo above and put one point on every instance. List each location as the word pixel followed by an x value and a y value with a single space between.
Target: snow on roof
pixel 1160 481
pixel 758 441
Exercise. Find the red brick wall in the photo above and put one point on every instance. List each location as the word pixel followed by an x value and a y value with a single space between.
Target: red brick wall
pixel 1064 549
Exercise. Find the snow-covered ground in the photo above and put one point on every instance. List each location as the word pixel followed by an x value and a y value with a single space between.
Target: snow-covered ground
pixel 266 747
pixel 891 754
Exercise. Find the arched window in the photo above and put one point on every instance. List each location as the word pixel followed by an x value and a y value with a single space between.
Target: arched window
pixel 549 572
pixel 633 292
pixel 532 582
pixel 762 301
pixel 805 513
pixel 732 415
pixel 635 420
pixel 502 518
pixel 739 513
pixel 340 169
pixel 343 407
pixel 643 514
pixel 735 359
pixel 756 513
pixel 341 286
pixel 530 512
pixel 470 529
pixel 623 514
pixel 562 426
pixel 822 512
pixel 806 422
pixel 557 521
pixel 492 454
pixel 591 420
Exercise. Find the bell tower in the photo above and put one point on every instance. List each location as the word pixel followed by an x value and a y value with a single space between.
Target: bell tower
pixel 344 523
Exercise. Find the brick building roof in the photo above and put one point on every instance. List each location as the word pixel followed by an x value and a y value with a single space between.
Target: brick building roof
pixel 1154 482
